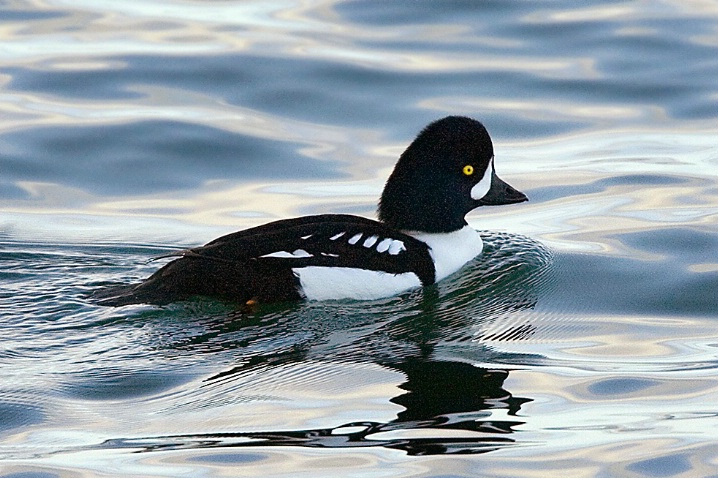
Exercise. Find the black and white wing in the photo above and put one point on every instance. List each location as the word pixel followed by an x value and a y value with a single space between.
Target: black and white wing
pixel 261 262
pixel 328 240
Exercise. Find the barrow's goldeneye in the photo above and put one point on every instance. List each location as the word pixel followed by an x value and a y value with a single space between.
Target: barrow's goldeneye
pixel 420 238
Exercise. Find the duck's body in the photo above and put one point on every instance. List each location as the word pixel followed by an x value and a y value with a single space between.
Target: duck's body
pixel 420 238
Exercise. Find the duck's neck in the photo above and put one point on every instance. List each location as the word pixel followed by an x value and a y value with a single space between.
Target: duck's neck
pixel 415 213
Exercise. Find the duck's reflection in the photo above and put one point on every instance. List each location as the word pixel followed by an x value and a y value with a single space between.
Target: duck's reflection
pixel 447 409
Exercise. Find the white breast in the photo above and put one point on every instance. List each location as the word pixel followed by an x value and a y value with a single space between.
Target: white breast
pixel 451 250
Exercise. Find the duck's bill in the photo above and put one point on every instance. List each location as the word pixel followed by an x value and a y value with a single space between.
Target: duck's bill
pixel 501 193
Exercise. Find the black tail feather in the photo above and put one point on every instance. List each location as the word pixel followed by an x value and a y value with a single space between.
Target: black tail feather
pixel 198 276
pixel 128 294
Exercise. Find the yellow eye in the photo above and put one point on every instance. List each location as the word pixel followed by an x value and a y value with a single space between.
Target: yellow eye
pixel 468 170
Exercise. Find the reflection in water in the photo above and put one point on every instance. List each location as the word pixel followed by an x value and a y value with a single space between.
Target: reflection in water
pixel 441 397
pixel 430 336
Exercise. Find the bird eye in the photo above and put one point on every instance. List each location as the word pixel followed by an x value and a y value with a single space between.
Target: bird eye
pixel 468 170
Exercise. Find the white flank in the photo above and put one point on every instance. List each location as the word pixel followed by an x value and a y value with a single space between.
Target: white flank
pixel 329 283
pixel 451 250
pixel 482 187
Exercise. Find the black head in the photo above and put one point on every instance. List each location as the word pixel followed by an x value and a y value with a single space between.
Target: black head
pixel 444 173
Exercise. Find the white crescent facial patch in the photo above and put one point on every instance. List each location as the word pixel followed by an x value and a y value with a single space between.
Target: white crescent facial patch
pixel 482 187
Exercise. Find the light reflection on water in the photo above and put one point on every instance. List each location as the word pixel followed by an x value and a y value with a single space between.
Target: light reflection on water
pixel 588 348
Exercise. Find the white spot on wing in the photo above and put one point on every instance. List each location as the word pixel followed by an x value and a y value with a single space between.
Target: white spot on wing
pixel 355 238
pixel 384 245
pixel 370 241
pixel 299 253
pixel 396 247
pixel 336 236
pixel 482 187
pixel 329 283
pixel 283 254
pixel 307 236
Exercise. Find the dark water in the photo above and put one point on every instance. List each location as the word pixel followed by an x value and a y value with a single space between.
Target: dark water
pixel 582 342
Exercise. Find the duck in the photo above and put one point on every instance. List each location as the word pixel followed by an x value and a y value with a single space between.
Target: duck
pixel 421 236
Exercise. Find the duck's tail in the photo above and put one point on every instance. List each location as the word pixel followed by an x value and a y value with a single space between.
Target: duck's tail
pixel 177 280
pixel 125 294
pixel 191 276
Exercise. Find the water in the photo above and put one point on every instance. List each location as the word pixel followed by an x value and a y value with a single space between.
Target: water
pixel 583 341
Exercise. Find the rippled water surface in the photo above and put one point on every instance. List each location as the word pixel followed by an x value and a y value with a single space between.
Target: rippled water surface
pixel 583 341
